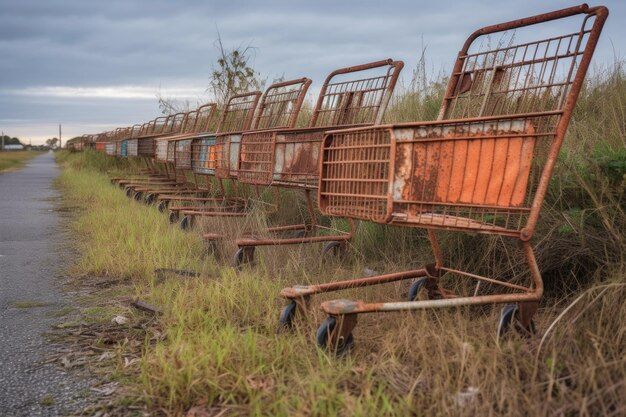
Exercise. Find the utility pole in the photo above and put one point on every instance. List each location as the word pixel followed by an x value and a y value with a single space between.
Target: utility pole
pixel 60 143
pixel 1 149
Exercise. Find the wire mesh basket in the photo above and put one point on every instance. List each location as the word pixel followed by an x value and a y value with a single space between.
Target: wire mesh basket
pixel 350 96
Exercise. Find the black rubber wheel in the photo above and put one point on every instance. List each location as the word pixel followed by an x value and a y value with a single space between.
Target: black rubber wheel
pixel 243 256
pixel 149 199
pixel 138 195
pixel 162 206
pixel 342 347
pixel 172 216
pixel 416 288
pixel 285 321
pixel 129 192
pixel 185 223
pixel 333 248
pixel 509 319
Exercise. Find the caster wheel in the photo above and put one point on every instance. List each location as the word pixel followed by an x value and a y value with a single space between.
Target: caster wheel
pixel 137 196
pixel 185 223
pixel 129 192
pixel 416 287
pixel 243 256
pixel 162 206
pixel 149 198
pixel 341 347
pixel 509 319
pixel 334 248
pixel 173 216
pixel 287 315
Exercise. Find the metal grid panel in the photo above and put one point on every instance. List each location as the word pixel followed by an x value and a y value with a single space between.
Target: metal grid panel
pixel 256 158
pixel 345 101
pixel 171 151
pixel 161 149
pixel 355 175
pixel 488 172
pixel 146 147
pixel 227 149
pixel 296 158
pixel 182 154
pixel 109 148
pixel 534 76
pixel 238 113
pixel 280 104
pixel 131 147
pixel 202 155
pixel 357 94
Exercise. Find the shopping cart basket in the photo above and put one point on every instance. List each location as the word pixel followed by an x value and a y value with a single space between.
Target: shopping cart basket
pixel 279 108
pixel 289 158
pixel 483 167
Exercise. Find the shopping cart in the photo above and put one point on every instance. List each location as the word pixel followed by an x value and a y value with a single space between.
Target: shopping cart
pixel 193 153
pixel 279 108
pixel 483 168
pixel 177 156
pixel 289 158
pixel 172 125
pixel 145 150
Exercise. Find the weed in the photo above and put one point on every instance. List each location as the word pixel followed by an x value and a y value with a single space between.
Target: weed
pixel 30 304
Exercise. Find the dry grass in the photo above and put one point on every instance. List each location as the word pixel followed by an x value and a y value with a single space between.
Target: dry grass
pixel 12 160
pixel 221 352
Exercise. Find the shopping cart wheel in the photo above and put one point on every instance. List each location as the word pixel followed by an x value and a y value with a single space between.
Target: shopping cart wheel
pixel 162 206
pixel 243 256
pixel 509 318
pixel 341 346
pixel 149 198
pixel 129 192
pixel 285 321
pixel 333 248
pixel 185 223
pixel 173 216
pixel 416 287
pixel 138 195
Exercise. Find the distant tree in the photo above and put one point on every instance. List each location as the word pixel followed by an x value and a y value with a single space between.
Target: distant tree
pixel 233 73
pixel 52 142
pixel 10 141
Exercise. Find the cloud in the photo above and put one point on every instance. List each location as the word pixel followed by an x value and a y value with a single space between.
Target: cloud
pixel 88 59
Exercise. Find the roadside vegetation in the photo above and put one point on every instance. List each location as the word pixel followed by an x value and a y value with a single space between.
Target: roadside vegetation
pixel 219 353
pixel 12 160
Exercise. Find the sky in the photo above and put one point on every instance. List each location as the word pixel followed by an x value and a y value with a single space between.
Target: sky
pixel 96 65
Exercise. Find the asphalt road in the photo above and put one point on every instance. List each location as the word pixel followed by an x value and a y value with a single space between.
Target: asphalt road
pixel 31 261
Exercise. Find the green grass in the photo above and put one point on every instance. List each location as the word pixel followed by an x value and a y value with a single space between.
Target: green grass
pixel 220 347
pixel 47 400
pixel 30 304
pixel 12 160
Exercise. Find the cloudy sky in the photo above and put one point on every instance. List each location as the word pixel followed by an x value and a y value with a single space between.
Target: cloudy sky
pixel 94 65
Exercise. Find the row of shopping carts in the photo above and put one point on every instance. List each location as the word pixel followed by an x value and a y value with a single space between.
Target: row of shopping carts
pixel 482 167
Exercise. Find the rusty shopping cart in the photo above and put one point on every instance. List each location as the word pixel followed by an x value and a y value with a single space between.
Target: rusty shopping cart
pixel 196 154
pixel 145 150
pixel 289 158
pixel 483 167
pixel 176 157
pixel 279 108
pixel 172 125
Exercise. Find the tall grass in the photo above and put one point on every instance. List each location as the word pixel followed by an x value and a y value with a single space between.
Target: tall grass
pixel 221 350
pixel 11 160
